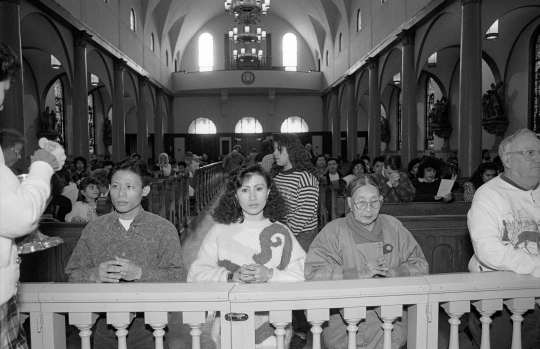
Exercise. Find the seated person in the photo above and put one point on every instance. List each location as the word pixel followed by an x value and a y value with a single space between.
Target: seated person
pixel 485 172
pixel 58 206
pixel 146 248
pixel 367 162
pixel 503 224
pixel 412 168
pixel 81 169
pixel 428 182
pixel 164 165
pixel 378 164
pixel 364 244
pixel 357 168
pixel 250 245
pixel 182 168
pixel 394 186
pixel 84 209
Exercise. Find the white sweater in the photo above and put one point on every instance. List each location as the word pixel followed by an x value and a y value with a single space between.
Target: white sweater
pixel 21 206
pixel 504 223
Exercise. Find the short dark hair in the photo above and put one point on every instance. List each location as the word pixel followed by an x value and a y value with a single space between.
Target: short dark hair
pixel 136 166
pixel 393 161
pixel 430 162
pixel 65 175
pixel 266 145
pixel 57 184
pixel 332 159
pixel 412 163
pixel 9 137
pixel 80 158
pixel 108 163
pixel 9 63
pixel 378 159
pixel 182 163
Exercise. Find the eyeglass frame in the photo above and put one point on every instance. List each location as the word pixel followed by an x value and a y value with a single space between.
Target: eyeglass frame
pixel 524 152
pixel 368 203
pixel 17 152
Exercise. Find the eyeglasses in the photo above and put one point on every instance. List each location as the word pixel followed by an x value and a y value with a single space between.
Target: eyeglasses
pixel 527 154
pixel 362 205
pixel 17 152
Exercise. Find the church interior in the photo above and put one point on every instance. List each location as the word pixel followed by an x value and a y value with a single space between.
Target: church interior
pixel 109 78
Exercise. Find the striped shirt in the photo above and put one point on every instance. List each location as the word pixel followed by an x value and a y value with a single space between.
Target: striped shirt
pixel 300 189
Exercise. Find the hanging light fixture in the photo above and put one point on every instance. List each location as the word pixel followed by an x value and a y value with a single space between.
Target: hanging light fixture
pixel 55 63
pixel 94 80
pixel 432 60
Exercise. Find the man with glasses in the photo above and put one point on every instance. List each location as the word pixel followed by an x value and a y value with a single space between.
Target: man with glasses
pixel 504 224
pixel 12 143
pixel 363 245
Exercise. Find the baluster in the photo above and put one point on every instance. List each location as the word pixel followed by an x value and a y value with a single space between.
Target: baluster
pixel 316 318
pixel 280 319
pixel 455 310
pixel 487 307
pixel 158 321
pixel 353 316
pixel 195 320
pixel 518 306
pixel 388 313
pixel 120 321
pixel 84 322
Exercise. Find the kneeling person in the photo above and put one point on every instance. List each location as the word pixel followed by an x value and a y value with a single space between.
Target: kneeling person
pixel 128 244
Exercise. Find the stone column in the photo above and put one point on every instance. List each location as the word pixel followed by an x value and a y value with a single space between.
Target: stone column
pixel 470 87
pixel 352 120
pixel 142 123
pixel 119 117
pixel 374 121
pixel 158 124
pixel 409 141
pixel 336 122
pixel 12 116
pixel 81 146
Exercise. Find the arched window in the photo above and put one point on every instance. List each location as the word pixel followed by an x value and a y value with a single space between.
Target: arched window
pixel 294 124
pixel 206 52
pixel 167 58
pixel 91 124
pixel 132 20
pixel 358 20
pixel 327 58
pixel 536 85
pixel 152 47
pixel 202 126
pixel 59 108
pixel 290 52
pixel 248 125
pixel 340 41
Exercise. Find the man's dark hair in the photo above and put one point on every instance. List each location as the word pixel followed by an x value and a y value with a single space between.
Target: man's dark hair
pixel 393 162
pixel 265 145
pixel 182 163
pixel 378 159
pixel 8 138
pixel 9 63
pixel 80 158
pixel 136 166
pixel 332 159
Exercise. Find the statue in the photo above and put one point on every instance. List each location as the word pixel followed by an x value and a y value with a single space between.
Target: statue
pixel 44 120
pixel 439 113
pixel 54 120
pixel 492 104
pixel 107 132
pixel 385 130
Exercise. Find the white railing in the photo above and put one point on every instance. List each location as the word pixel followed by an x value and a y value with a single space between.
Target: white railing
pixel 48 304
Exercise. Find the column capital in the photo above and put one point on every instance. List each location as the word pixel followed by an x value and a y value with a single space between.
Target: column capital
pixel 372 63
pixel 349 79
pixel 81 38
pixel 143 81
pixel 16 2
pixel 466 2
pixel 119 64
pixel 407 37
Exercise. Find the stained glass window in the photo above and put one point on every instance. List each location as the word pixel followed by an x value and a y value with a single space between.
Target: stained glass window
pixel 91 124
pixel 294 124
pixel 202 126
pixel 430 105
pixel 59 109
pixel 248 125
pixel 536 86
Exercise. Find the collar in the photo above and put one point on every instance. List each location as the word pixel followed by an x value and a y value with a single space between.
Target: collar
pixel 514 184
pixel 137 218
pixel 374 235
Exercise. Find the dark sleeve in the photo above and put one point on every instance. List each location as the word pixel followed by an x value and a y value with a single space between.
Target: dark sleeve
pixel 404 190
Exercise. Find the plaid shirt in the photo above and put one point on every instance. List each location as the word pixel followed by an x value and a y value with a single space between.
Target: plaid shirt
pixel 12 335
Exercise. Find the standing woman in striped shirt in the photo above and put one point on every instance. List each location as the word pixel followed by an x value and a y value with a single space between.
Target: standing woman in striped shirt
pixel 294 175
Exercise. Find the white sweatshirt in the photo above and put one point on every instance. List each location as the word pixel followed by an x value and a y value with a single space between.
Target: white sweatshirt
pixel 504 223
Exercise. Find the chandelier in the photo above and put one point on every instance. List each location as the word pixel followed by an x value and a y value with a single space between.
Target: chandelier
pixel 247 40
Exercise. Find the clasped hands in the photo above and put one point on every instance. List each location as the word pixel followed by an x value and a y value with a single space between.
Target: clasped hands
pixel 116 270
pixel 252 273
pixel 393 179
pixel 374 268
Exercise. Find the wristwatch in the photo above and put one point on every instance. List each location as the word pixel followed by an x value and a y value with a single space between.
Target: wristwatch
pixel 230 277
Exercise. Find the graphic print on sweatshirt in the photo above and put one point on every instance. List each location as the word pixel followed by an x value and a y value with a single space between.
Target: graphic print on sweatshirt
pixel 522 232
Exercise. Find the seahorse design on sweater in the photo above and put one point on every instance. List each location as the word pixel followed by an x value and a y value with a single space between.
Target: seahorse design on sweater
pixel 271 236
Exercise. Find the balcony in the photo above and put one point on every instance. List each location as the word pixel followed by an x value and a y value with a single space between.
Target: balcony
pixel 49 303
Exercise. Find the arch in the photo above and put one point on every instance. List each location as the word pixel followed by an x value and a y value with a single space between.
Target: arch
pixel 294 124
pixel 202 126
pixel 248 125
pixel 97 64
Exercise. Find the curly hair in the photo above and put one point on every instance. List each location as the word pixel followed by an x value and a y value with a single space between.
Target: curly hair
pixel 298 155
pixel 430 162
pixel 85 182
pixel 476 178
pixel 412 163
pixel 229 211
